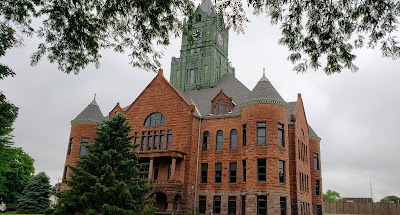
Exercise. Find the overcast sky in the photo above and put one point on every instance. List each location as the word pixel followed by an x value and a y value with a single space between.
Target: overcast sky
pixel 355 114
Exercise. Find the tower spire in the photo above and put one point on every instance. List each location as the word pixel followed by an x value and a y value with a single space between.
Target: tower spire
pixel 94 100
pixel 264 78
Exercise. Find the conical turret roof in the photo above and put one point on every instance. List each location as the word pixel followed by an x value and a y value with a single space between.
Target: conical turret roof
pixel 264 90
pixel 91 113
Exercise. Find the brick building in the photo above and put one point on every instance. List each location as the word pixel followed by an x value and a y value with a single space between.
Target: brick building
pixel 211 143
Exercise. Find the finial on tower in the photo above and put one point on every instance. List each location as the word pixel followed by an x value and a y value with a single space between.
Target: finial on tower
pixel 94 100
pixel 264 78
pixel 160 72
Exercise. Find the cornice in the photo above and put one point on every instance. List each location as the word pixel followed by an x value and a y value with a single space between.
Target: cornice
pixel 264 101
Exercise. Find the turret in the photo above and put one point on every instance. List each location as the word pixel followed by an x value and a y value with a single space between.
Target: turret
pixel 83 132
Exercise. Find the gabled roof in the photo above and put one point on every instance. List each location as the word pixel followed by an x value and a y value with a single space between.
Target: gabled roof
pixel 91 114
pixel 312 134
pixel 232 88
pixel 207 7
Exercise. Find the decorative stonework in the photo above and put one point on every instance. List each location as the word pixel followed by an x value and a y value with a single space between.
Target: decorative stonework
pixel 264 101
pixel 85 121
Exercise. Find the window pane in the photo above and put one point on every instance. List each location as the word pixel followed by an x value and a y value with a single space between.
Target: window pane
pixel 220 140
pixel 261 133
pixel 231 205
pixel 206 140
pixel 232 172
pixel 243 205
pixel 233 144
pixel 282 171
pixel 261 205
pixel 70 146
pixel 244 135
pixel 204 172
pixel 244 170
pixel 169 139
pixel 262 170
pixel 283 205
pixel 202 204
pixel 218 172
pixel 162 140
pixel 217 204
pixel 154 119
pixel 281 135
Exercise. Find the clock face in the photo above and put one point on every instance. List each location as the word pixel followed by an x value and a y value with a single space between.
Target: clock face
pixel 197 34
pixel 220 40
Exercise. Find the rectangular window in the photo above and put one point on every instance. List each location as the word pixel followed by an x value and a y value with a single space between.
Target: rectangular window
pixel 218 173
pixel 149 140
pixel 191 76
pixel 319 210
pixel 232 172
pixel 281 135
pixel 244 168
pixel 262 169
pixel 220 140
pixel 298 149
pixel 282 171
pixel 261 133
pixel 244 134
pixel 136 141
pixel 162 132
pixel 156 167
pixel 283 205
pixel 202 204
pixel 204 172
pixel 217 205
pixel 169 139
pixel 155 144
pixel 243 205
pixel 261 205
pixel 65 173
pixel 316 161
pixel 70 146
pixel 232 205
pixel 83 148
pixel 317 187
pixel 144 141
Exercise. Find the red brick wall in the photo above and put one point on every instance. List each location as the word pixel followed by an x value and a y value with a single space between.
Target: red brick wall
pixel 296 131
pixel 78 131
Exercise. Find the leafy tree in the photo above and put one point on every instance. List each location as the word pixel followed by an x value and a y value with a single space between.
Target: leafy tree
pixel 108 179
pixel 35 197
pixel 19 172
pixel 317 33
pixel 394 199
pixel 331 196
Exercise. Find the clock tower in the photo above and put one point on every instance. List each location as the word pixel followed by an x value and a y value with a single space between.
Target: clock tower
pixel 204 51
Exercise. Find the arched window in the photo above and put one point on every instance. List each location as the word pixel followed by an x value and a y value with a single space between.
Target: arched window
pixel 198 18
pixel 154 119
pixel 220 140
pixel 234 139
pixel 206 140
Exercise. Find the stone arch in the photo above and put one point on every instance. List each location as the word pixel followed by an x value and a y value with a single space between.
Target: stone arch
pixel 177 206
pixel 161 201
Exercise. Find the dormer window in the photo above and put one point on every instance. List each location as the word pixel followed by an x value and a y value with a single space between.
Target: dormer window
pixel 221 104
pixel 154 119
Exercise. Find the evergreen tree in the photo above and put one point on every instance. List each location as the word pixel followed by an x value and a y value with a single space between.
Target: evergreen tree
pixel 35 197
pixel 107 180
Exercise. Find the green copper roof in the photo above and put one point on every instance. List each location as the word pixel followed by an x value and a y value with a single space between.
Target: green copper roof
pixel 206 6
